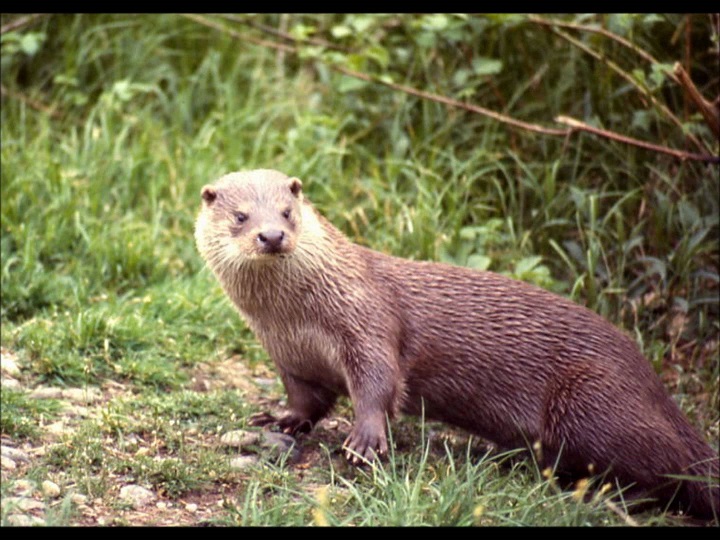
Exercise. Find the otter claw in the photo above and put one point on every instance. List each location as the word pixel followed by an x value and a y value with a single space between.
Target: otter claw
pixel 262 419
pixel 362 447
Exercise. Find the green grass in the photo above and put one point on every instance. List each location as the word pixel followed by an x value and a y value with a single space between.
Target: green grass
pixel 101 281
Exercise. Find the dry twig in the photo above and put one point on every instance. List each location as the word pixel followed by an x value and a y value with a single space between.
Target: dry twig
pixel 582 126
pixel 22 21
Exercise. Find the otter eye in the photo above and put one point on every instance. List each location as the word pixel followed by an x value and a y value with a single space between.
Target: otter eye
pixel 240 217
pixel 286 213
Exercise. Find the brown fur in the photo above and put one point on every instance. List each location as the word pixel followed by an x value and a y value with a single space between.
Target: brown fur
pixel 506 360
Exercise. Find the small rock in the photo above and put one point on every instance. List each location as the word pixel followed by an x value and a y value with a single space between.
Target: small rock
pixel 191 507
pixel 82 395
pixel 57 428
pixel 8 364
pixel 136 496
pixel 50 489
pixel 278 444
pixel 46 392
pixel 23 487
pixel 9 383
pixel 240 438
pixel 21 520
pixel 7 464
pixel 25 504
pixel 78 498
pixel 14 453
pixel 264 382
pixel 71 409
pixel 243 462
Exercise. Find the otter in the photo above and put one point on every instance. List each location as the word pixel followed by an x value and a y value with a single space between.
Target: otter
pixel 503 359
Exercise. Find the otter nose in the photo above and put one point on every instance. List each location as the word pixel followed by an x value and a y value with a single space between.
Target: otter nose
pixel 271 241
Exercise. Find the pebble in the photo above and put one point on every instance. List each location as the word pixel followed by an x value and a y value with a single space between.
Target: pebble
pixel 57 428
pixel 191 507
pixel 25 504
pixel 279 444
pixel 8 364
pixel 21 520
pixel 46 392
pixel 14 453
pixel 243 462
pixel 240 438
pixel 23 487
pixel 82 395
pixel 78 498
pixel 10 383
pixel 50 489
pixel 136 496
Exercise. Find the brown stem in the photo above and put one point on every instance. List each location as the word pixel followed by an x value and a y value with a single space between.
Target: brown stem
pixel 710 112
pixel 453 103
pixel 597 30
pixel 38 106
pixel 237 35
pixel 22 21
pixel 281 33
pixel 577 124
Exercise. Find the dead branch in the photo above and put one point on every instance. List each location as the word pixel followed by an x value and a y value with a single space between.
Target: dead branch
pixel 38 106
pixel 597 30
pixel 709 111
pixel 237 35
pixel 22 21
pixel 582 126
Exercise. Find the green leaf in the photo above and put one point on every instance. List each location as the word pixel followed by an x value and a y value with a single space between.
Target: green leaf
pixel 659 72
pixel 460 77
pixel 30 42
pixel 362 22
pixel 486 66
pixel 379 54
pixel 435 22
pixel 641 120
pixel 302 31
pixel 479 262
pixel 651 19
pixel 526 265
pixel 356 62
pixel 639 75
pixel 350 84
pixel 340 31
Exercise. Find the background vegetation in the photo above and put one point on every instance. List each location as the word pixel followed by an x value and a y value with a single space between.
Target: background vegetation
pixel 112 123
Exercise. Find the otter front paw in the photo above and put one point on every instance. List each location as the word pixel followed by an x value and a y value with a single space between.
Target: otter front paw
pixel 365 443
pixel 291 424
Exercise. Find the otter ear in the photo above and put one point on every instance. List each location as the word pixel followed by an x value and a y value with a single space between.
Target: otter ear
pixel 295 186
pixel 209 194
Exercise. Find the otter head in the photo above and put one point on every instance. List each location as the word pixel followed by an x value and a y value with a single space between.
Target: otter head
pixel 249 216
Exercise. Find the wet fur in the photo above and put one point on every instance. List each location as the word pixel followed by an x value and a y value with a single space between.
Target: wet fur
pixel 501 358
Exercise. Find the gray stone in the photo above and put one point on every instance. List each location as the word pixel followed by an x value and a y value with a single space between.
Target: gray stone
pixel 136 496
pixel 240 438
pixel 50 489
pixel 243 462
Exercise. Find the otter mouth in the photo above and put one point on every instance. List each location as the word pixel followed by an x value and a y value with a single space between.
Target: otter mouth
pixel 272 254
pixel 279 253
